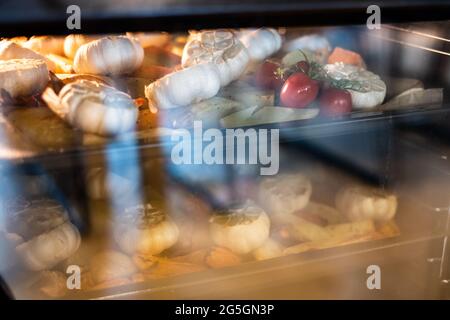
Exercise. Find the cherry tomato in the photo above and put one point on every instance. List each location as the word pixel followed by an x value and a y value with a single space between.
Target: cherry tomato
pixel 266 77
pixel 303 66
pixel 298 91
pixel 335 102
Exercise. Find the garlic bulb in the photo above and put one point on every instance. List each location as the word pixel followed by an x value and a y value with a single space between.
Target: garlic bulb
pixel 46 44
pixel 283 195
pixel 369 90
pixel 359 203
pixel 220 47
pixel 114 56
pixel 241 229
pixel 11 50
pixel 73 41
pixel 147 39
pixel 93 107
pixel 261 43
pixel 181 88
pixel 146 230
pixel 48 249
pixel 23 77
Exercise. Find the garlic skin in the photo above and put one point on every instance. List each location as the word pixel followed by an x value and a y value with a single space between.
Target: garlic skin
pixel 93 107
pixel 145 230
pixel 113 56
pixel 73 41
pixel 261 43
pixel 46 45
pixel 48 249
pixel 184 87
pixel 11 50
pixel 23 77
pixel 359 203
pixel 248 233
pixel 283 195
pixel 373 89
pixel 220 47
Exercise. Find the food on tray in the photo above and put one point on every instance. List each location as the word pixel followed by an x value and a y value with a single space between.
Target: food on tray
pixel 298 91
pixel 247 94
pixel 41 127
pixel 335 102
pixel 208 111
pixel 220 257
pixel 366 88
pixel 361 202
pixel 415 97
pixel 11 50
pixel 241 229
pixel 264 115
pixel 147 39
pixel 145 229
pixel 267 77
pixel 109 265
pixel 346 57
pixel 181 88
pixel 62 64
pixel 222 48
pixel 284 194
pixel 73 41
pixel 46 44
pixel 261 43
pixel 93 107
pixel 48 236
pixel 23 77
pixel 114 55
pixel 269 250
pixel 321 214
pixel 316 47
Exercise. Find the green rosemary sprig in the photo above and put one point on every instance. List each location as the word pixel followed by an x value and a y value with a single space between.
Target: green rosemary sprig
pixel 317 72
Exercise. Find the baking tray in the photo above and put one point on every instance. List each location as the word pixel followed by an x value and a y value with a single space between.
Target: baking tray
pixel 148 143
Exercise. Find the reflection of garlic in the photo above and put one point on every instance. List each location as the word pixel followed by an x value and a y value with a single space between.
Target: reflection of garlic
pixel 283 195
pixel 93 107
pixel 73 42
pixel 361 203
pixel 115 55
pixel 11 50
pixel 261 43
pixel 46 250
pixel 220 47
pixel 23 77
pixel 146 230
pixel 181 88
pixel 46 44
pixel 242 229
